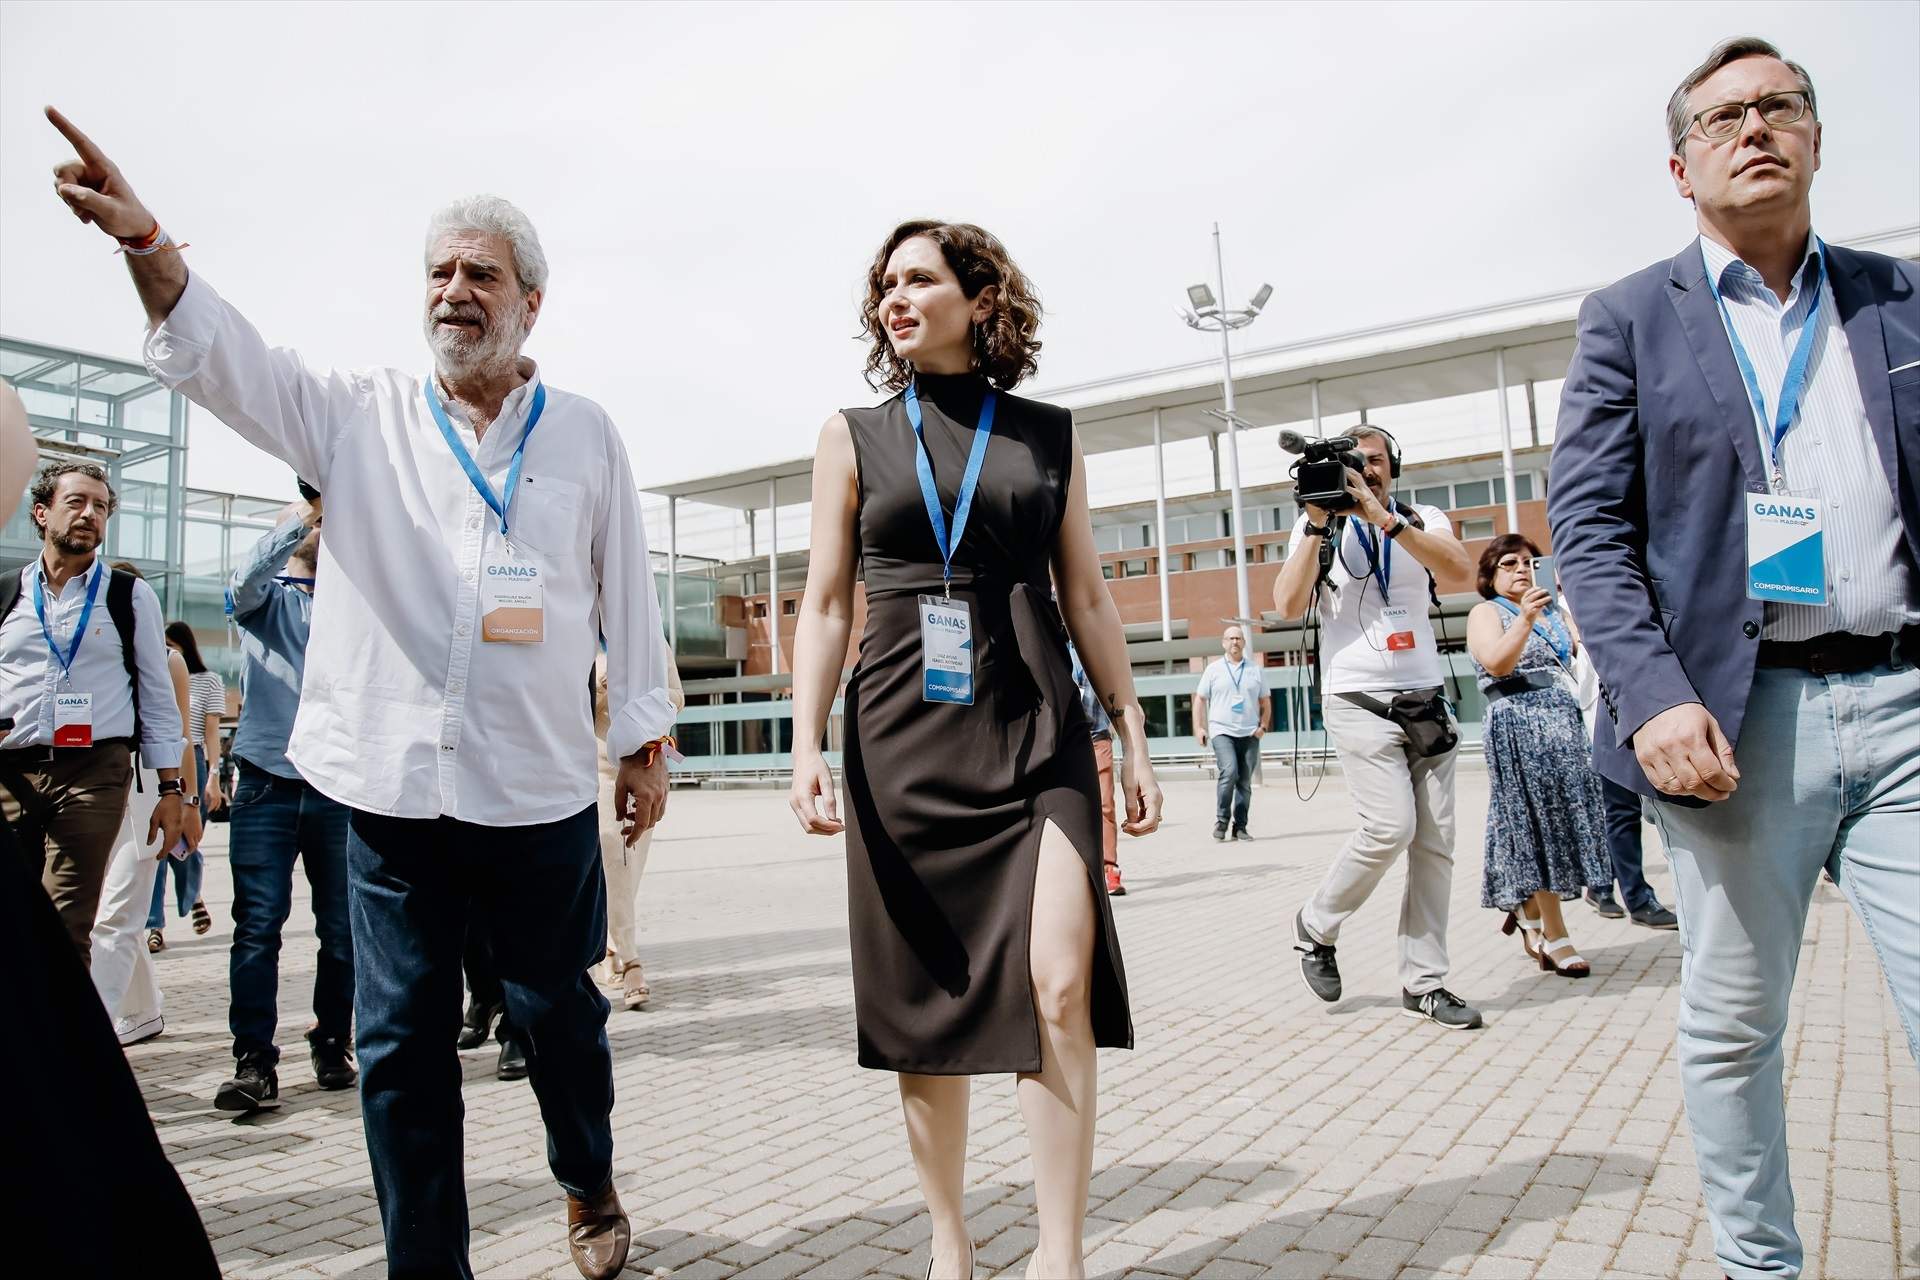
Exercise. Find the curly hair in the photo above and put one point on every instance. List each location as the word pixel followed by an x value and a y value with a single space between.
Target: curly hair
pixel 48 480
pixel 1005 350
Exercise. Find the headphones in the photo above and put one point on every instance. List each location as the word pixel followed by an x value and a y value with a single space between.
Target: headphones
pixel 1393 448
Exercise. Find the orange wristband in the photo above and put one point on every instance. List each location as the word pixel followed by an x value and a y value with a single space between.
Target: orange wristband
pixel 146 241
pixel 650 751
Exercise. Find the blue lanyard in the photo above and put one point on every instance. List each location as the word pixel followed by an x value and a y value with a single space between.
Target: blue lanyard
pixel 499 505
pixel 1236 678
pixel 79 632
pixel 1381 553
pixel 1555 633
pixel 1795 383
pixel 963 503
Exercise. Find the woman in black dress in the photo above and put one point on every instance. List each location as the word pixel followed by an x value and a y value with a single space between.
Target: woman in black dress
pixel 981 941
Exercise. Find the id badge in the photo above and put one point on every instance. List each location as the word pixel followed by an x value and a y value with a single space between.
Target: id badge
pixel 946 651
pixel 512 598
pixel 72 719
pixel 1239 706
pixel 1397 624
pixel 1786 549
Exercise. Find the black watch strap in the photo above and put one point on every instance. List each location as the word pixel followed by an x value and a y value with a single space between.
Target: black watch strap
pixel 1315 530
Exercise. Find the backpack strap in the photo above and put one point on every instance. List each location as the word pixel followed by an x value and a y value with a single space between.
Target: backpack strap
pixel 9 593
pixel 120 609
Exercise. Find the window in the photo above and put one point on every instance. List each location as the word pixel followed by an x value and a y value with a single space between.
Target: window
pixel 1471 529
pixel 1433 495
pixel 759 608
pixel 1206 559
pixel 789 607
pixel 1523 487
pixel 1136 568
pixel 1177 562
pixel 1107 537
pixel 1106 570
pixel 1478 493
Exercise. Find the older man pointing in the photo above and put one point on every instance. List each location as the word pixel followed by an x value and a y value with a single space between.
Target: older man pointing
pixel 483 534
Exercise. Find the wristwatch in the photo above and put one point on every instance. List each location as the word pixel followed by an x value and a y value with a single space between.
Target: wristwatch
pixel 193 802
pixel 1398 527
pixel 1313 530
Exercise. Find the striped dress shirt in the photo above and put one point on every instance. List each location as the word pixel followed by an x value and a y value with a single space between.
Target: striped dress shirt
pixel 1828 453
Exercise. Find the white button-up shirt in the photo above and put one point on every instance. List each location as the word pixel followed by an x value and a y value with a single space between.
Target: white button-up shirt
pixel 1827 454
pixel 404 709
pixel 29 675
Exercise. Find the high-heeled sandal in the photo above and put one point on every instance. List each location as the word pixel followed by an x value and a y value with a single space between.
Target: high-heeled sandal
pixel 1530 928
pixel 1567 963
pixel 969 1259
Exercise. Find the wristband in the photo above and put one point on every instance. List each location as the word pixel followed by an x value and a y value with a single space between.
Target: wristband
pixel 1315 530
pixel 169 787
pixel 1399 527
pixel 650 751
pixel 153 242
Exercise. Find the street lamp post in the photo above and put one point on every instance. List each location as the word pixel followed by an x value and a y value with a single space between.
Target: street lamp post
pixel 1211 315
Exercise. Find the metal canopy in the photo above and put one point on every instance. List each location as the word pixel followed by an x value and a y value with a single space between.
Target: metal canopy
pixel 747 490
pixel 1367 369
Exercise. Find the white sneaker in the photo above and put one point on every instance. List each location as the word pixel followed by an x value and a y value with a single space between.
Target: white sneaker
pixel 134 1030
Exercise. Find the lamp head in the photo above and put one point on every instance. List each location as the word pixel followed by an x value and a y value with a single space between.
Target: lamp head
pixel 1260 298
pixel 1201 296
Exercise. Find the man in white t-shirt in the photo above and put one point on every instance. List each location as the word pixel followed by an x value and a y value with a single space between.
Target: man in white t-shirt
pixel 1231 714
pixel 1378 655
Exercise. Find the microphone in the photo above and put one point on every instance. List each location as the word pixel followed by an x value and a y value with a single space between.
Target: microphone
pixel 1292 441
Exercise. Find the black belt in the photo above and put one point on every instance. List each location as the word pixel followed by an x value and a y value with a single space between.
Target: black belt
pixel 1526 682
pixel 1840 652
pixel 22 757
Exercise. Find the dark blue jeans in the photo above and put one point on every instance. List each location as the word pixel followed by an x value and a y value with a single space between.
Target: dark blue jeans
pixel 1233 793
pixel 414 884
pixel 1623 844
pixel 274 821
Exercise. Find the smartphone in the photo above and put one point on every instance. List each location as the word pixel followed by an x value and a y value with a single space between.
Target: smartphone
pixel 1545 577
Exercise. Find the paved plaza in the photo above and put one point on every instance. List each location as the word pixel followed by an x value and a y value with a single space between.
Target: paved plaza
pixel 1252 1132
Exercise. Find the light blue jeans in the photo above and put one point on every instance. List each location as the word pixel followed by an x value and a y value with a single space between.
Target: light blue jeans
pixel 1829 781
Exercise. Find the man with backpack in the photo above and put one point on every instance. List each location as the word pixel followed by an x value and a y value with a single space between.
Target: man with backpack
pixel 84 688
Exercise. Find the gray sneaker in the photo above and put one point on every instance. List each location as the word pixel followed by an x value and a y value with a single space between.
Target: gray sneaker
pixel 1442 1006
pixel 1317 965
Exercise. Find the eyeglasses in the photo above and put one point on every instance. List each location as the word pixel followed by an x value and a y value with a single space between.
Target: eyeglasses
pixel 1718 123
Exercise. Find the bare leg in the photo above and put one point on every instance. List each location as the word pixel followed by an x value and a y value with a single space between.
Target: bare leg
pixel 1546 905
pixel 1059 1103
pixel 936 1112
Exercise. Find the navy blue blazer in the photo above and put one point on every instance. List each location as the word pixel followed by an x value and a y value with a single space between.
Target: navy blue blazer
pixel 1654 454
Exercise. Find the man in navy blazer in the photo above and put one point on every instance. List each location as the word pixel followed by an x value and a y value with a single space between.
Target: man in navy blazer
pixel 1760 388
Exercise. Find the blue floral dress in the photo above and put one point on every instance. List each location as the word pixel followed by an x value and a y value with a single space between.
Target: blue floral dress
pixel 1546 826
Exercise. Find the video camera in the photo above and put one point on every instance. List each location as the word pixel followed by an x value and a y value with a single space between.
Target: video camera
pixel 1320 477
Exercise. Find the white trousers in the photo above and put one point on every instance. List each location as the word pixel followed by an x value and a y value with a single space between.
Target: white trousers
pixel 123 971
pixel 624 867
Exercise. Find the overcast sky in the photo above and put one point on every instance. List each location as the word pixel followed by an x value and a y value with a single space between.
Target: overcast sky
pixel 710 181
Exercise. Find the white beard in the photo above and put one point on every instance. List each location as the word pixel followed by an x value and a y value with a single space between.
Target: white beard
pixel 457 356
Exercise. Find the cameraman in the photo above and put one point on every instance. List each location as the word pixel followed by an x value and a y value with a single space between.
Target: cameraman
pixel 1371 568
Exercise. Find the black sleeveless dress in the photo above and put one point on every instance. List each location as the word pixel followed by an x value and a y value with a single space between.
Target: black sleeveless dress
pixel 946 803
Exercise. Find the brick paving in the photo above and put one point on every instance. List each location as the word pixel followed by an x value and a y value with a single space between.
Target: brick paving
pixel 1253 1132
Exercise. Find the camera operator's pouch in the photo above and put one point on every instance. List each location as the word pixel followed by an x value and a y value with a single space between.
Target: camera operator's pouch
pixel 1422 716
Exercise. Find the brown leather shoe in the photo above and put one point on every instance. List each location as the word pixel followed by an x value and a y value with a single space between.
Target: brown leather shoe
pixel 598 1234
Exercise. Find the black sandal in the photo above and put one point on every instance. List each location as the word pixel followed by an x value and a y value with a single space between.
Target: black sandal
pixel 202 919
